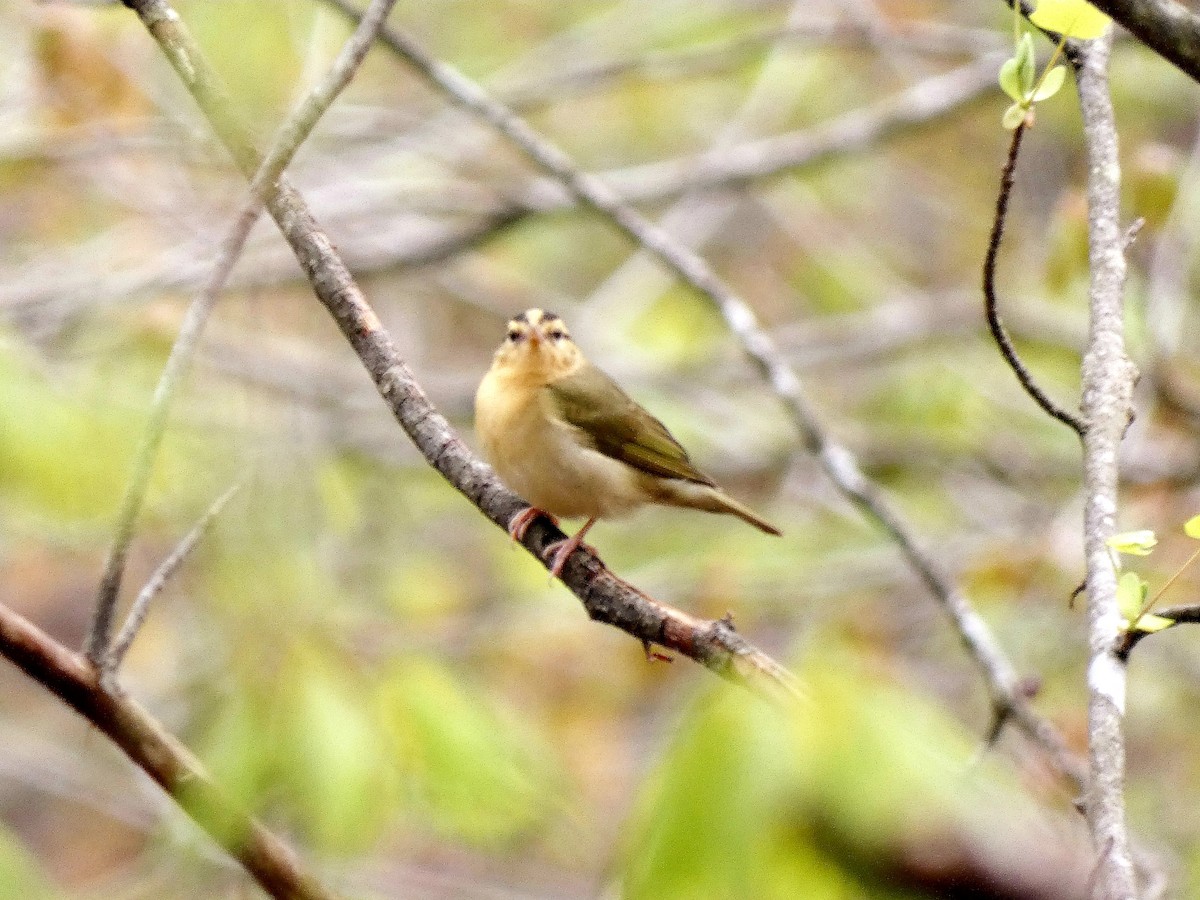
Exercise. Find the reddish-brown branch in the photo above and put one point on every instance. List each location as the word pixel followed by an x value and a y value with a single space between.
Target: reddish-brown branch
pixel 160 755
pixel 605 597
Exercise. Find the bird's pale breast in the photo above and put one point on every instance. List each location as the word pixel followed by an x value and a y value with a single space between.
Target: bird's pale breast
pixel 547 461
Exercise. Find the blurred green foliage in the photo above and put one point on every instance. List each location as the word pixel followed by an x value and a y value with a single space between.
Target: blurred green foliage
pixel 21 878
pixel 364 661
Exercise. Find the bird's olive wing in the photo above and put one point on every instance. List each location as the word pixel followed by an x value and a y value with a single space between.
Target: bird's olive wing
pixel 618 427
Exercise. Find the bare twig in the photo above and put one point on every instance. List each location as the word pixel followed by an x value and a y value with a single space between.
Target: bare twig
pixel 992 304
pixel 743 163
pixel 838 463
pixel 932 38
pixel 160 755
pixel 1108 378
pixel 916 105
pixel 291 135
pixel 606 599
pixel 163 574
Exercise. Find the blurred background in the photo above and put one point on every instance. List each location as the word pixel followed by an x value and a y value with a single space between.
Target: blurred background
pixel 366 662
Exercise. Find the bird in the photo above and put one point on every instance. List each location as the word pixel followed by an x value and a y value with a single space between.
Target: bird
pixel 565 437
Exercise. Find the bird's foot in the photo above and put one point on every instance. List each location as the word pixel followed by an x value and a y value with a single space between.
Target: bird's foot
pixel 521 521
pixel 558 552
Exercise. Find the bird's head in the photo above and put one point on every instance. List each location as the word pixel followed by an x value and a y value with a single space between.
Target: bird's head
pixel 538 345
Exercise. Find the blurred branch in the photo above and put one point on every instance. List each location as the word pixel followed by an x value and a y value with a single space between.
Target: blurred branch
pixel 931 38
pixel 288 140
pixel 163 574
pixel 606 598
pixel 159 754
pixel 1167 298
pixel 403 245
pixel 959 863
pixel 754 160
pixel 837 462
pixel 1108 378
pixel 991 303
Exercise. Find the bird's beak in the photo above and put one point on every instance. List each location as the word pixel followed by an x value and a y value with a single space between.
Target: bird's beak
pixel 535 339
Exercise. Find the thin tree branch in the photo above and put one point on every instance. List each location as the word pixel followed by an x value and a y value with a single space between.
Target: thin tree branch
pixel 291 135
pixel 916 105
pixel 745 163
pixel 991 304
pixel 926 37
pixel 1187 614
pixel 999 675
pixel 606 598
pixel 1108 379
pixel 159 754
pixel 1168 28
pixel 163 574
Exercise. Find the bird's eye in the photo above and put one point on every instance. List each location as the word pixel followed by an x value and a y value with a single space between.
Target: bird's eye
pixel 514 334
pixel 557 334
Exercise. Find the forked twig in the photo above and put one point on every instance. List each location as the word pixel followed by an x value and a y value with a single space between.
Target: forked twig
pixel 166 569
pixel 288 140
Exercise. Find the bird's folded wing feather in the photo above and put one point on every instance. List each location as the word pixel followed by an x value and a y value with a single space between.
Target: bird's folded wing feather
pixel 618 427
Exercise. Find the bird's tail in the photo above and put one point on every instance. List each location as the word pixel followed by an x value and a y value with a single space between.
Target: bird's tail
pixel 745 513
pixel 711 499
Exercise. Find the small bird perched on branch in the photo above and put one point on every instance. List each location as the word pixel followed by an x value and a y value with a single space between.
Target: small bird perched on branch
pixel 565 437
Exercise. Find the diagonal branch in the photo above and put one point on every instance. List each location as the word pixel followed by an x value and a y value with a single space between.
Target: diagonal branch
pixel 1168 28
pixel 160 755
pixel 991 304
pixel 293 133
pixel 606 598
pixel 163 574
pixel 1001 680
pixel 1108 378
pixel 927 101
pixel 927 37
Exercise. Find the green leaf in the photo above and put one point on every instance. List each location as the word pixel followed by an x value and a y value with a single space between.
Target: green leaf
pixel 1010 80
pixel 1152 623
pixel 1070 18
pixel 1131 595
pixel 469 769
pixel 1026 65
pixel 1052 82
pixel 1133 543
pixel 1013 116
pixel 21 878
pixel 1192 527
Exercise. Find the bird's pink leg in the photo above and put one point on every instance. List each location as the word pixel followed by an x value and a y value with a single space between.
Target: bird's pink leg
pixel 564 548
pixel 521 521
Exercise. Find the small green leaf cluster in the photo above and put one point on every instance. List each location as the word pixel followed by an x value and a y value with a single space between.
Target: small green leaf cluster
pixel 1018 78
pixel 1018 75
pixel 1132 590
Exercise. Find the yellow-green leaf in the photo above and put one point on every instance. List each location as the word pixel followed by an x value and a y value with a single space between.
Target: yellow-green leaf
pixel 1026 59
pixel 1192 527
pixel 1071 18
pixel 1010 79
pixel 1131 595
pixel 1152 623
pixel 1133 543
pixel 1013 116
pixel 1052 81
